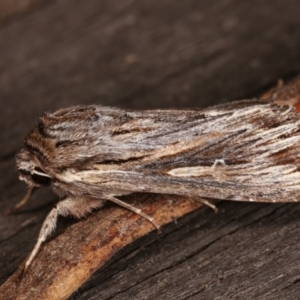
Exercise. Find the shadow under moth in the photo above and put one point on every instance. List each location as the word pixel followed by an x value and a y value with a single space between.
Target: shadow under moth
pixel 245 151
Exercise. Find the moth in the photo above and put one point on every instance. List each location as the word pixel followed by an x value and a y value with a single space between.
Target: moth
pixel 245 151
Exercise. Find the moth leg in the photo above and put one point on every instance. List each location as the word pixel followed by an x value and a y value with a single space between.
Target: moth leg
pixel 22 202
pixel 76 207
pixel 205 202
pixel 135 210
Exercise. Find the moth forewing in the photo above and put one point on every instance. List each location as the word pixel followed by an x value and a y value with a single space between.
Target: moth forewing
pixel 245 151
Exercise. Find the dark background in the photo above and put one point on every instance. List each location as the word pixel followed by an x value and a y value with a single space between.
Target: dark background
pixel 153 54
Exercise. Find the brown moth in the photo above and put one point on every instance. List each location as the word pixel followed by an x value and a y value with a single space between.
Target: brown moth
pixel 245 151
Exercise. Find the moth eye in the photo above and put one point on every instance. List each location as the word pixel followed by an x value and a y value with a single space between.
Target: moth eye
pixel 41 180
pixel 40 177
pixel 39 170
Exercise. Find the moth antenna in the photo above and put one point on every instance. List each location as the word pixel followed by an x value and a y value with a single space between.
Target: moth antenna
pixel 135 210
pixel 21 203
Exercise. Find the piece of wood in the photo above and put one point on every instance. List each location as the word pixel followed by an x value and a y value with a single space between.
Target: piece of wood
pixel 70 259
pixel 145 54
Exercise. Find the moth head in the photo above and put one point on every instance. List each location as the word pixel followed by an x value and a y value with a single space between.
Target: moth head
pixel 30 171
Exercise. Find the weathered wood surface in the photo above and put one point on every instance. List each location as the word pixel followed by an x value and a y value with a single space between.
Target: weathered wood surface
pixel 11 8
pixel 142 54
